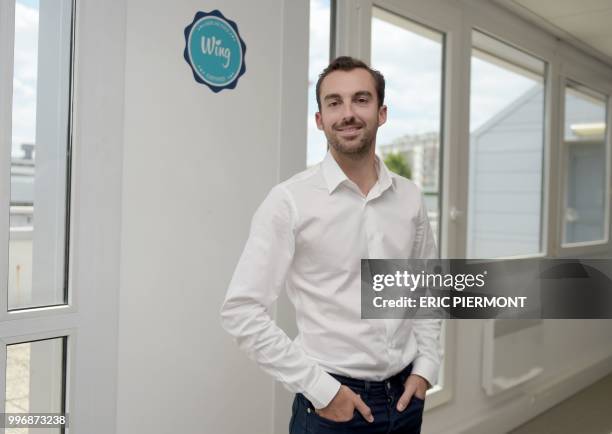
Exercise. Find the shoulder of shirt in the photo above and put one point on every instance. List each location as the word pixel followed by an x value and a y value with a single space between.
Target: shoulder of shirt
pixel 303 176
pixel 404 184
pixel 299 179
pixel 284 191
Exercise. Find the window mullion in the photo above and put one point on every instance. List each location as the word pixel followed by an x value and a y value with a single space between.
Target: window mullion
pixel 7 34
pixel 553 159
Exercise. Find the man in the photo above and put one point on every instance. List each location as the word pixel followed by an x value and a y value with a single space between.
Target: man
pixel 308 236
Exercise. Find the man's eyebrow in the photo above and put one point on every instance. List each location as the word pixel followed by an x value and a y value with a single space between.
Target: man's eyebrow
pixel 332 96
pixel 363 93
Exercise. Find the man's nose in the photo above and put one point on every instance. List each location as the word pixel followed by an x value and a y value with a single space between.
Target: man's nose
pixel 347 112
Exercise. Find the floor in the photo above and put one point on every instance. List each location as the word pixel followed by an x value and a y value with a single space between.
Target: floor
pixel 587 412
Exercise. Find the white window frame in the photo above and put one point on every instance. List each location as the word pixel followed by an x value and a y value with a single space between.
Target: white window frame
pixel 589 79
pixel 353 37
pixel 503 26
pixel 90 319
pixel 70 342
pixel 546 146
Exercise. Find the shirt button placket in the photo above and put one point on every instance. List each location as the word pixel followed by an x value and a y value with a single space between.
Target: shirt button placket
pixel 368 233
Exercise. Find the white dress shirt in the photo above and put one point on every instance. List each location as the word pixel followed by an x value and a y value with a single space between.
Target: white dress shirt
pixel 308 237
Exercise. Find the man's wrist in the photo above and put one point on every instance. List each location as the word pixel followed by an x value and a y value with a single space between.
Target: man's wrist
pixel 427 384
pixel 426 368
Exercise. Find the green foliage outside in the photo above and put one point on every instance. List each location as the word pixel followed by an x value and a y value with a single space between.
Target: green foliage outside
pixel 398 164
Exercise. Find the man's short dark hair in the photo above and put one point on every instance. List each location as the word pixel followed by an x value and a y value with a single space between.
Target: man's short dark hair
pixel 347 63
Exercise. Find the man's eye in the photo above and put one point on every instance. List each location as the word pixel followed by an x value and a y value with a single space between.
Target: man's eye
pixel 362 100
pixel 333 104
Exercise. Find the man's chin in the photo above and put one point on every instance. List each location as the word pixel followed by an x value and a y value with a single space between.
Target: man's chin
pixel 355 147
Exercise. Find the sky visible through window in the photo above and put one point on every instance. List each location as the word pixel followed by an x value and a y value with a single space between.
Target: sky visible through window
pixel 318 60
pixel 25 74
pixel 497 88
pixel 413 87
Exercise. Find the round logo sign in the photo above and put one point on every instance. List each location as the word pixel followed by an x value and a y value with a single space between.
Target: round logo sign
pixel 214 50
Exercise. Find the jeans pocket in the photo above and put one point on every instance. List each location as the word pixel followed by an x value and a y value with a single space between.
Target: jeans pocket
pixel 418 400
pixel 322 425
pixel 326 421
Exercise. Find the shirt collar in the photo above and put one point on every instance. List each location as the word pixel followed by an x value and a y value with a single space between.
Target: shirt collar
pixel 334 175
pixel 385 178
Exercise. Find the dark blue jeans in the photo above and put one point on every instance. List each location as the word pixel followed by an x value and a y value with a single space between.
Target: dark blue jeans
pixel 380 396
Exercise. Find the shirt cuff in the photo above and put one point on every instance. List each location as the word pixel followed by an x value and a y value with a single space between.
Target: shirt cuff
pixel 427 369
pixel 323 391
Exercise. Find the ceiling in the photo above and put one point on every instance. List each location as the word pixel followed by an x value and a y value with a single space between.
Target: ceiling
pixel 586 24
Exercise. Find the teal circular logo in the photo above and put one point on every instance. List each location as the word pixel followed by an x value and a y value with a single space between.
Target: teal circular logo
pixel 214 50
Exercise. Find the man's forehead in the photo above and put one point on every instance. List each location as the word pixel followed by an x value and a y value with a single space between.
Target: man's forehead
pixel 348 82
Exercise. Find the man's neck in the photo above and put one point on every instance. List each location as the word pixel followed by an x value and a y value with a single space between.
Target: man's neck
pixel 362 170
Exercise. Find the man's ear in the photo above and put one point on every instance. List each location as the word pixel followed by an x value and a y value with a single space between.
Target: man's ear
pixel 319 120
pixel 382 115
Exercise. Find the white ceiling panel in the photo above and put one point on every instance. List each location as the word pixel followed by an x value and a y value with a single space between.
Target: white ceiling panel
pixel 586 23
pixel 562 8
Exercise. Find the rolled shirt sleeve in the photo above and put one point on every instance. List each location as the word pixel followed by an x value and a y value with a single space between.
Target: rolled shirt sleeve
pixel 257 282
pixel 426 331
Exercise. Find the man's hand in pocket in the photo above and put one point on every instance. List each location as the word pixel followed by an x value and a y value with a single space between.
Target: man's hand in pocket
pixel 342 407
pixel 414 385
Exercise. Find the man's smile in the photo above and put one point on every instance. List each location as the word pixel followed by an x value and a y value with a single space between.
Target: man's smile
pixel 349 131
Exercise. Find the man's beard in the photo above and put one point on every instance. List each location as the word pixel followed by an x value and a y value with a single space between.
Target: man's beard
pixel 352 151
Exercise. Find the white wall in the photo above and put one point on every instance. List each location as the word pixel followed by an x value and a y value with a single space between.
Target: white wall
pixel 196 165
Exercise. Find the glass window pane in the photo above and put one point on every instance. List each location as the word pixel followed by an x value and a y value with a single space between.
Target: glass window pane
pixel 585 157
pixel 41 80
pixel 319 52
pixel 35 380
pixel 409 142
pixel 506 150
